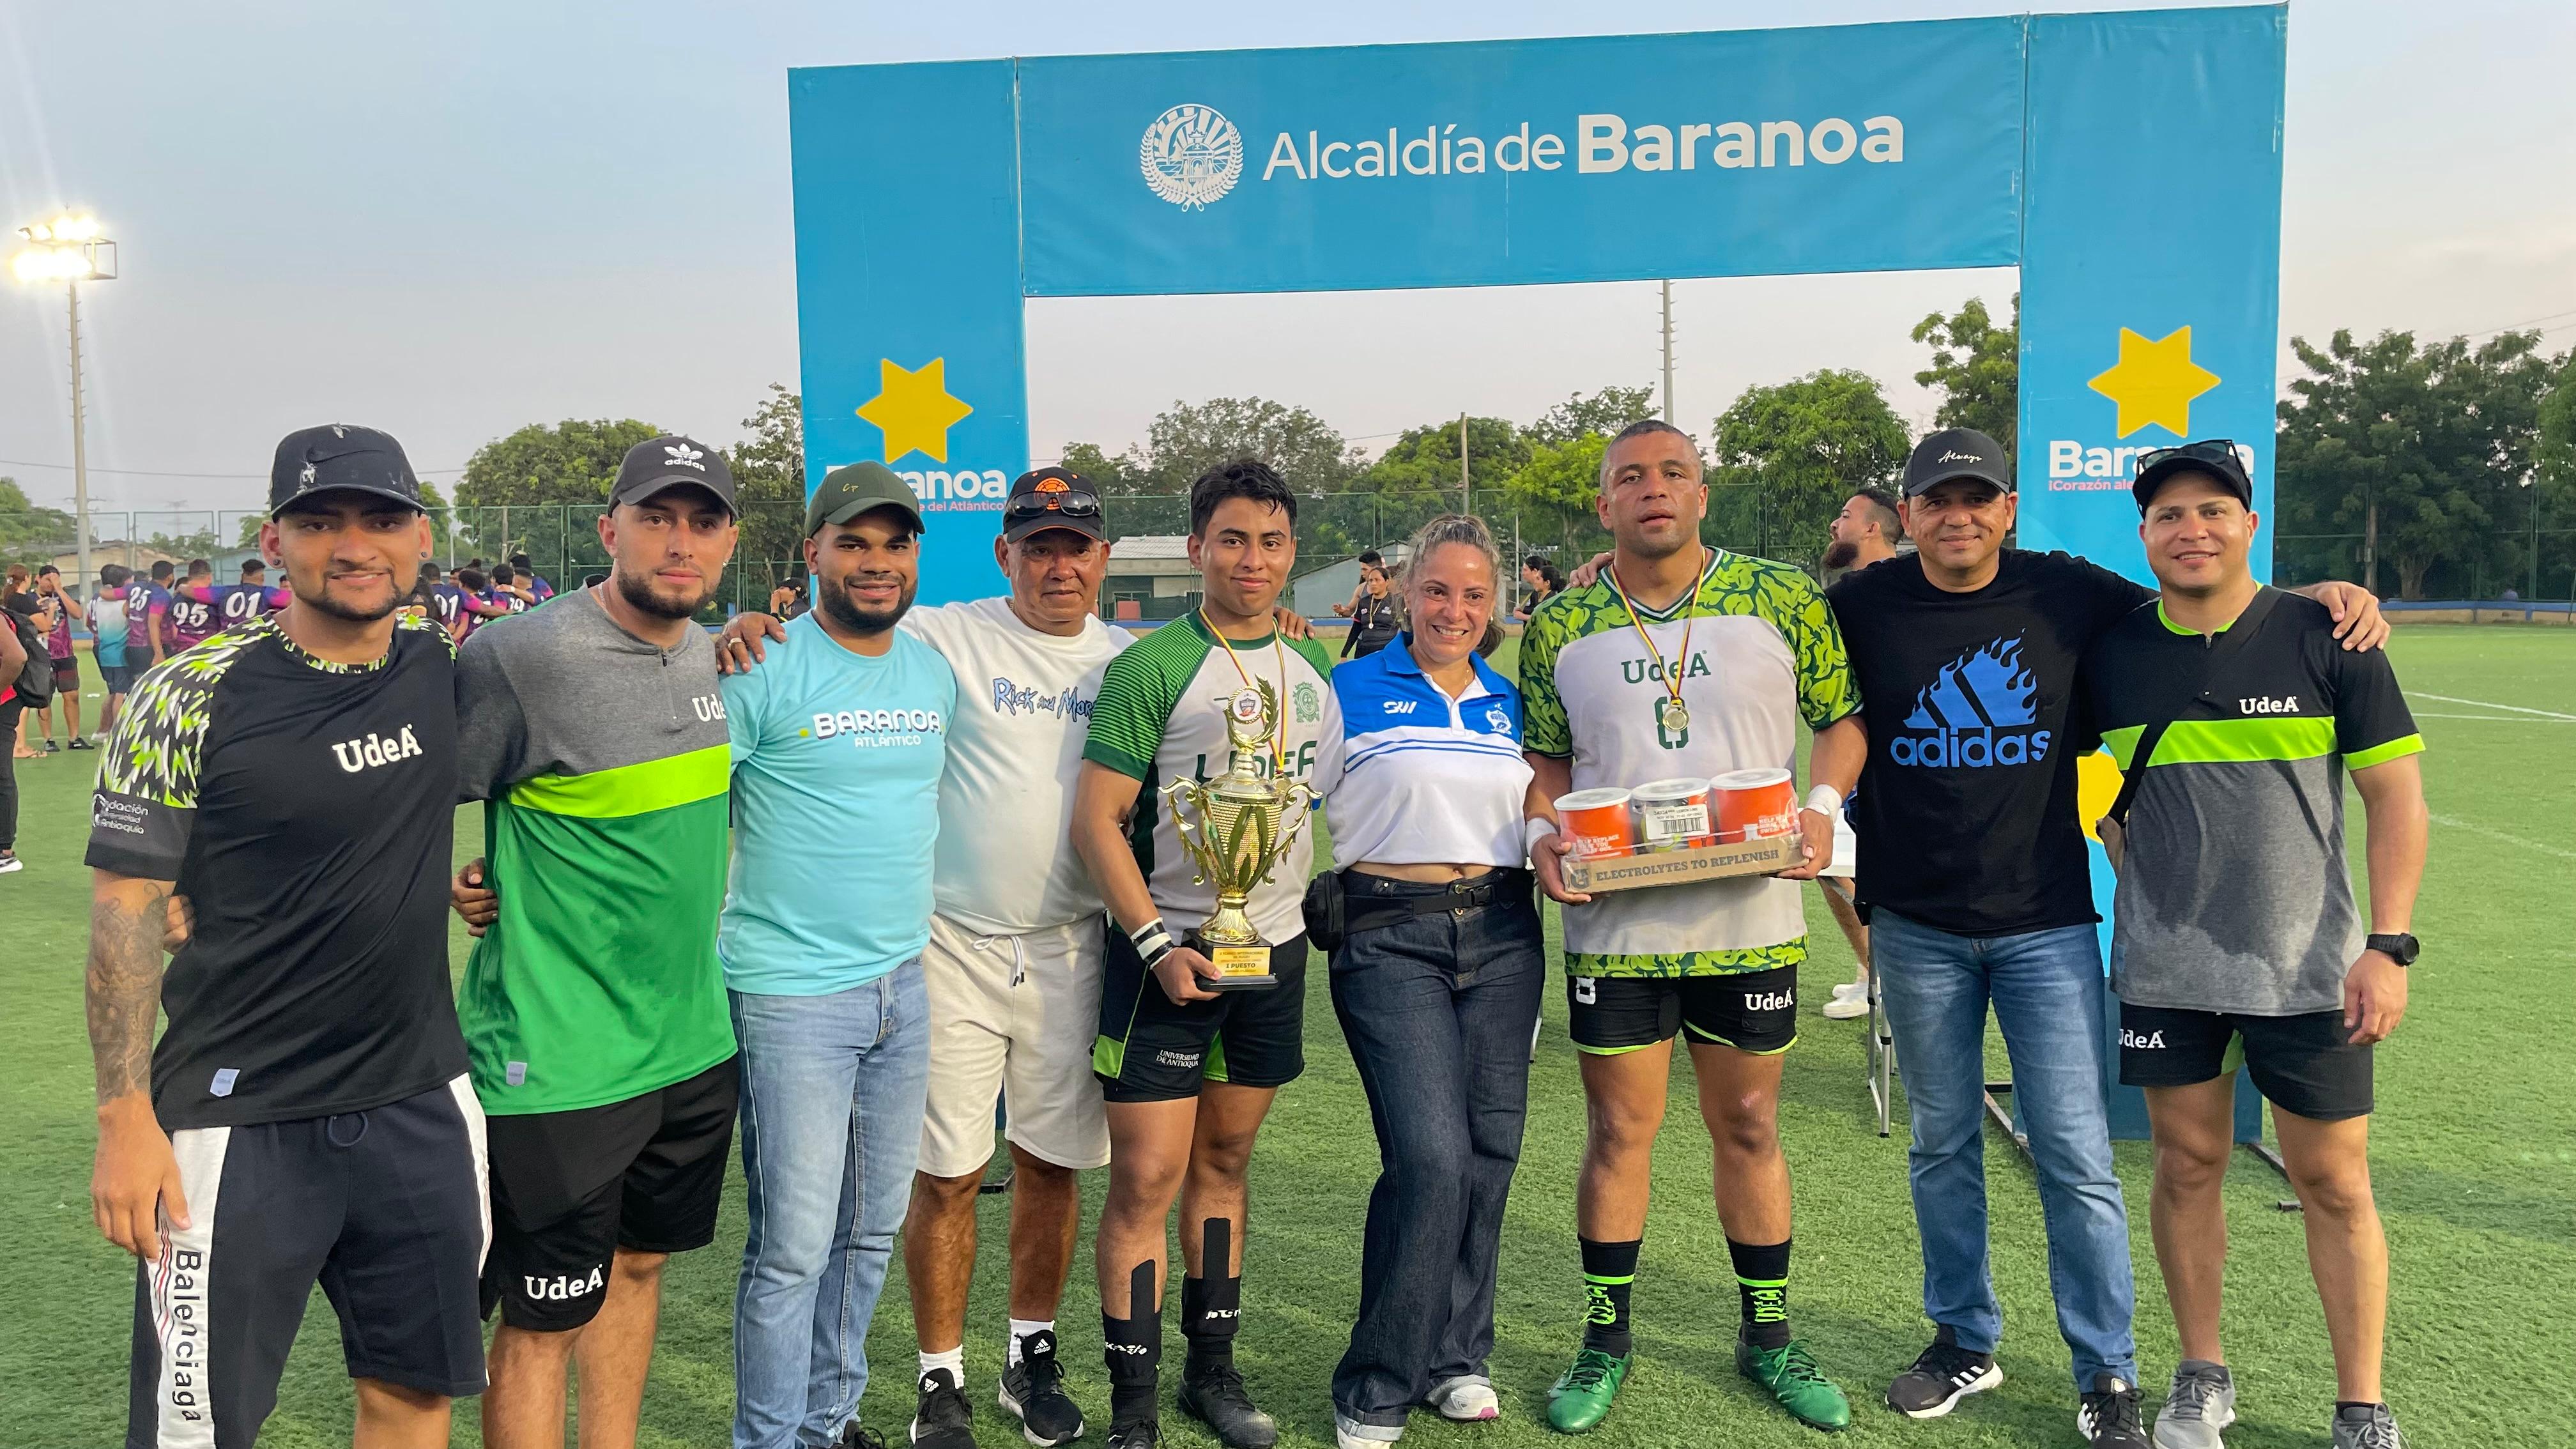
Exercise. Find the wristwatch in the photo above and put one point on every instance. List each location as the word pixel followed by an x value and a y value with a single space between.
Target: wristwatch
pixel 2400 948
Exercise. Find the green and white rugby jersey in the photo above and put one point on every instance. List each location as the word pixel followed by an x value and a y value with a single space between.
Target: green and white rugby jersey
pixel 1764 653
pixel 1161 717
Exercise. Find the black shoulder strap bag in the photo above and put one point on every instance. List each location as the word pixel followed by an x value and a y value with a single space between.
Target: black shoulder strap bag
pixel 2219 651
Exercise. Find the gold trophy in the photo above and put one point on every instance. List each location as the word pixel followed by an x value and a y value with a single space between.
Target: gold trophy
pixel 1242 830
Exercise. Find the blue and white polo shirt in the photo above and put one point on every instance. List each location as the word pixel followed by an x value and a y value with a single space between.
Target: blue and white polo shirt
pixel 1423 778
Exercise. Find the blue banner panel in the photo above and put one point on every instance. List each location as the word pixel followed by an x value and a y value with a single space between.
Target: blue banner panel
pixel 2150 282
pixel 2150 290
pixel 908 294
pixel 1829 149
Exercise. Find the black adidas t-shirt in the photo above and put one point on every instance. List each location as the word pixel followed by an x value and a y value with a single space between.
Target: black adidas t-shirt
pixel 306 810
pixel 1966 813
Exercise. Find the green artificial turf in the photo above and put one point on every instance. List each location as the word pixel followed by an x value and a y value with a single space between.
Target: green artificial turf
pixel 2475 1155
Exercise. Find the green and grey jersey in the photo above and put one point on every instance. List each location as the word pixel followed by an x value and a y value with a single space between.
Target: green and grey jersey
pixel 2234 895
pixel 1161 717
pixel 606 763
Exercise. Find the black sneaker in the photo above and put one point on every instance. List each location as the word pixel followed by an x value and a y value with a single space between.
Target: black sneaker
pixel 1215 1397
pixel 854 1437
pixel 1943 1375
pixel 78 744
pixel 1033 1392
pixel 1136 1434
pixel 941 1419
pixel 2107 1416
pixel 49 744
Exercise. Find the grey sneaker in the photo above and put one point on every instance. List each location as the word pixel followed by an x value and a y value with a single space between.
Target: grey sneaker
pixel 2201 1402
pixel 2367 1428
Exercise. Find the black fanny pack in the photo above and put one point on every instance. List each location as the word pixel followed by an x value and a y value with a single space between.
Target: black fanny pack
pixel 1331 920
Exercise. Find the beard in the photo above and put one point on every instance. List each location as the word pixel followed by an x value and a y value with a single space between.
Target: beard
pixel 1840 555
pixel 639 593
pixel 846 612
pixel 324 601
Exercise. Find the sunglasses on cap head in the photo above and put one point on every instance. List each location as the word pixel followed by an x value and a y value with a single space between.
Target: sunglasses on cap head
pixel 1069 505
pixel 2220 452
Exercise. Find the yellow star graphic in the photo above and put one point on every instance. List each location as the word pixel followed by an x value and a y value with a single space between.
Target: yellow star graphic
pixel 913 409
pixel 2155 382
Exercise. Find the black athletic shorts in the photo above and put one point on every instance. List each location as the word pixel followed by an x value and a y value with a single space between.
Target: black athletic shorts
pixel 67 677
pixel 571 1188
pixel 2305 1065
pixel 1755 1012
pixel 1154 1049
pixel 383 1207
pixel 117 678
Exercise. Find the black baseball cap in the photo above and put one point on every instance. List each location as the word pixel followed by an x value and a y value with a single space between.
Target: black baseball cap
pixel 337 458
pixel 1045 498
pixel 1956 453
pixel 667 462
pixel 2216 457
pixel 856 488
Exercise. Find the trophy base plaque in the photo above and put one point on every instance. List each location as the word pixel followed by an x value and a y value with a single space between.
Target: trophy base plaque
pixel 1238 968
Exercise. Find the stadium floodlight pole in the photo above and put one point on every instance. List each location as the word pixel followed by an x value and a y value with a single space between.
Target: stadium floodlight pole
pixel 69 250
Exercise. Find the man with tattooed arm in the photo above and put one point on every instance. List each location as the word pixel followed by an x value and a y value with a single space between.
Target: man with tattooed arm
pixel 307 1114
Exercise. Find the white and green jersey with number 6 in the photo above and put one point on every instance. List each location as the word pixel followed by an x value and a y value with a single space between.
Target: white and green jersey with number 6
pixel 1161 717
pixel 1756 651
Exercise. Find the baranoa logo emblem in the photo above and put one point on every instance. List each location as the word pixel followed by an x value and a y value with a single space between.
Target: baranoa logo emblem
pixel 1977 712
pixel 1191 155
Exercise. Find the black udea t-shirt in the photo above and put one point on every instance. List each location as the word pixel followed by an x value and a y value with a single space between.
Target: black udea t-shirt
pixel 1966 812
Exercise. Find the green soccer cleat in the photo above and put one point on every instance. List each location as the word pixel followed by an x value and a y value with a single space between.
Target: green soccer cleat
pixel 1580 1399
pixel 1791 1374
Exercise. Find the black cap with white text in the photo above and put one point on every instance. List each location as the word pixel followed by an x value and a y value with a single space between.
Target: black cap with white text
pixel 1956 453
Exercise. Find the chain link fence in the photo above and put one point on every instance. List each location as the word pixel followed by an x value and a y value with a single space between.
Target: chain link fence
pixel 561 542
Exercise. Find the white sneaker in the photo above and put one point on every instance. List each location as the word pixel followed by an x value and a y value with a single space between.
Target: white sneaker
pixel 9 862
pixel 1849 990
pixel 1466 1400
pixel 1846 1008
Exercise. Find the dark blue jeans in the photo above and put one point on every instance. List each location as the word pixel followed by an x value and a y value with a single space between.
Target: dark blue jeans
pixel 2046 988
pixel 1438 1012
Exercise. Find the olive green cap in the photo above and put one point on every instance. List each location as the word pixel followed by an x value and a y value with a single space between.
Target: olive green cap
pixel 856 488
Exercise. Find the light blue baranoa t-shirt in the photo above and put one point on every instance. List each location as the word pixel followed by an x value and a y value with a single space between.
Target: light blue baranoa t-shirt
pixel 836 761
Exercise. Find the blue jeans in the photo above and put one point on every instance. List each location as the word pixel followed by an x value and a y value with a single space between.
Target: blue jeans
pixel 2048 992
pixel 1438 1012
pixel 832 1091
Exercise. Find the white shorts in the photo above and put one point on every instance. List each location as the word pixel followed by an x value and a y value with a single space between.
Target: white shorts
pixel 1012 1018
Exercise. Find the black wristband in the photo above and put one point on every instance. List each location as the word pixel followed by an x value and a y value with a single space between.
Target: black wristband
pixel 1153 942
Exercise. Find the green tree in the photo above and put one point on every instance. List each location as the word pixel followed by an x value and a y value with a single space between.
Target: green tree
pixel 1187 439
pixel 1417 478
pixel 1977 368
pixel 1801 448
pixel 2424 453
pixel 28 534
pixel 769 478
pixel 540 490
pixel 1603 414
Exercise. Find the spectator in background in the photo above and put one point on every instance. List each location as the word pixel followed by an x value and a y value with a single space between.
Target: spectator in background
pixel 147 618
pixel 13 658
pixel 788 599
pixel 192 608
pixel 107 632
pixel 57 624
pixel 538 589
pixel 17 596
pixel 510 591
pixel 1866 531
pixel 1376 614
pixel 1541 577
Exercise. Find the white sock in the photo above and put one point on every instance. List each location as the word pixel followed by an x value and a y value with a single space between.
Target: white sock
pixel 954 1360
pixel 1022 1328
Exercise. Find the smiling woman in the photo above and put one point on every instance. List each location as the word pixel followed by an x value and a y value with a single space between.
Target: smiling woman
pixel 1437 968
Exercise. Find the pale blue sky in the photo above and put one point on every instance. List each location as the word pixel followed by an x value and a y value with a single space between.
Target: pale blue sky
pixel 449 220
